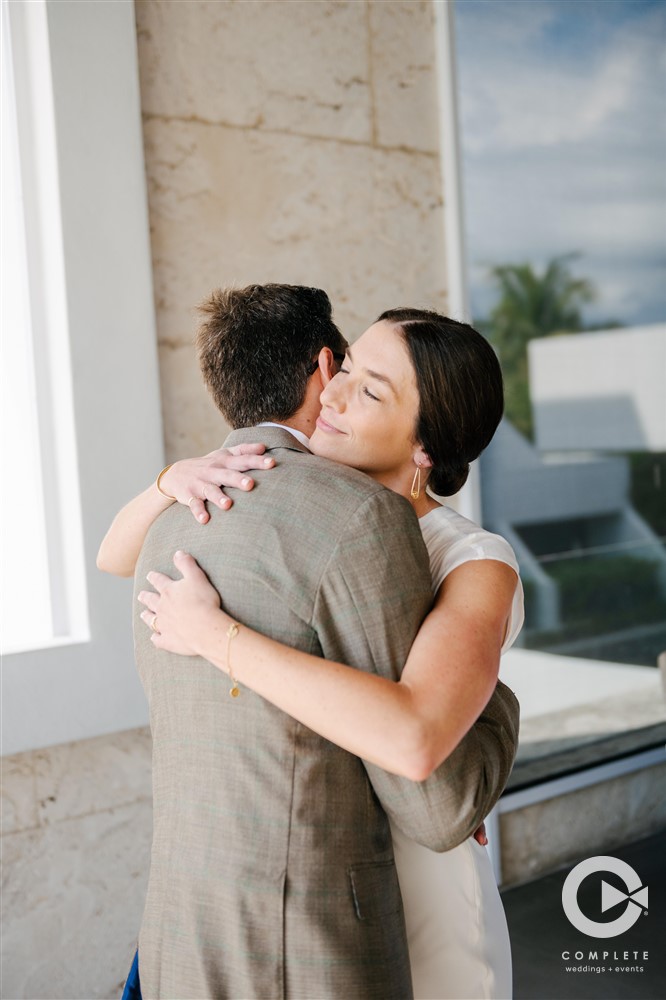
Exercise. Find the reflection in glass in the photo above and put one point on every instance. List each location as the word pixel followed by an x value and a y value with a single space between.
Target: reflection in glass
pixel 564 156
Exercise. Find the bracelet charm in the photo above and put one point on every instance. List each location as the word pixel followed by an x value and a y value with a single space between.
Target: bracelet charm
pixel 232 632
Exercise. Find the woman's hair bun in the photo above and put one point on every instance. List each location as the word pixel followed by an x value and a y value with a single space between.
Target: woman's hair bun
pixel 447 479
pixel 461 396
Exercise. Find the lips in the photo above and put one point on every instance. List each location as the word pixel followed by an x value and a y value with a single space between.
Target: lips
pixel 327 428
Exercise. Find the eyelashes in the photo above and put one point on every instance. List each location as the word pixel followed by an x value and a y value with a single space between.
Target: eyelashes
pixel 366 391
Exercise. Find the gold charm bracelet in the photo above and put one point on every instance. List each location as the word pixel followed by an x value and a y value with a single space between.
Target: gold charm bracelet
pixel 232 632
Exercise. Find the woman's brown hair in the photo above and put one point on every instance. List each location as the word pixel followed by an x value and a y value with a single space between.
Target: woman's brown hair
pixel 461 392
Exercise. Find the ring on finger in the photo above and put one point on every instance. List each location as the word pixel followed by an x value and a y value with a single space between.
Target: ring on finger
pixel 153 624
pixel 189 502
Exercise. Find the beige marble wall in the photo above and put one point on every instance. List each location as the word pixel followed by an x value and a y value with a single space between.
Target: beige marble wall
pixel 76 831
pixel 286 141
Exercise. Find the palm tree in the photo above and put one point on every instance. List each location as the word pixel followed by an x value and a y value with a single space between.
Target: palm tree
pixel 532 305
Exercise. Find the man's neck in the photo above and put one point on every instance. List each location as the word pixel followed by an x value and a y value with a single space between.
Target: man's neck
pixel 300 422
pixel 304 419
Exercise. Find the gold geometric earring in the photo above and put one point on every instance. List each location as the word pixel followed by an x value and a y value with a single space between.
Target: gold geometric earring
pixel 416 484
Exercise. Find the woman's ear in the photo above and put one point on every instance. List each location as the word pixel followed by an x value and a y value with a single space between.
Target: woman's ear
pixel 327 366
pixel 422 458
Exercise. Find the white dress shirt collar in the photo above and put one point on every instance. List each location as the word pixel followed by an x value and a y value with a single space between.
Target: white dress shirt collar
pixel 299 435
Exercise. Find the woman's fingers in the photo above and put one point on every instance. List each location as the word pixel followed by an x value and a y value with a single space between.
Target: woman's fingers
pixel 187 564
pixel 246 462
pixel 198 508
pixel 480 835
pixel 240 461
pixel 211 492
pixel 158 580
pixel 194 481
pixel 237 480
pixel 151 600
pixel 247 449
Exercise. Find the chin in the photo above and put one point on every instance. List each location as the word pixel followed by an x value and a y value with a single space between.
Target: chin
pixel 325 447
pixel 319 443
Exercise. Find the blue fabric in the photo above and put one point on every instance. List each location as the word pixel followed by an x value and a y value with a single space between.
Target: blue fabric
pixel 132 989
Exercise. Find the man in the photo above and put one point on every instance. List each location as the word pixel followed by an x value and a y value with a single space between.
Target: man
pixel 272 870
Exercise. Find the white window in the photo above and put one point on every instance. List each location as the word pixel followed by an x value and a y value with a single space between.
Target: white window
pixel 80 376
pixel 43 585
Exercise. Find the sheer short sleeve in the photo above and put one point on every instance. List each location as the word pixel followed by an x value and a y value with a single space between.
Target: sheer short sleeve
pixel 452 540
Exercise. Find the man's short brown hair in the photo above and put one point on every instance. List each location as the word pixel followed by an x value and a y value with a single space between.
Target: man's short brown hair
pixel 258 345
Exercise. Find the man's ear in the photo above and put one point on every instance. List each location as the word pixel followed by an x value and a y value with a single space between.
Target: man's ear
pixel 327 365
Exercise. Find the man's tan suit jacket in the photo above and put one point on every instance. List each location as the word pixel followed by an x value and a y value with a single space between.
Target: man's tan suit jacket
pixel 272 872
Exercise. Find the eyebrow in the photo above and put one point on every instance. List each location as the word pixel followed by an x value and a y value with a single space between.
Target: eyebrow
pixel 376 375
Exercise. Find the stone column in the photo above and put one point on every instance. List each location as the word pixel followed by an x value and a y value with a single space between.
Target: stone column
pixel 291 142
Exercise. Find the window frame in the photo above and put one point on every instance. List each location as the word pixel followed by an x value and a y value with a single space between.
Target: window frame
pixel 101 400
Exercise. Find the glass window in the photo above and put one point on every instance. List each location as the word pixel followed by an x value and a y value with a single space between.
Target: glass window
pixel 564 175
pixel 92 367
pixel 43 575
pixel 25 602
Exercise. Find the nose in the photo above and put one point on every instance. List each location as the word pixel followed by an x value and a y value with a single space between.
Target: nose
pixel 333 394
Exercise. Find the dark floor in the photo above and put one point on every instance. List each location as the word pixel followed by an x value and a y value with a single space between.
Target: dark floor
pixel 540 932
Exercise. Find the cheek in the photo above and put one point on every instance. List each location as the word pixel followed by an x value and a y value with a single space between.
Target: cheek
pixel 372 441
pixel 371 424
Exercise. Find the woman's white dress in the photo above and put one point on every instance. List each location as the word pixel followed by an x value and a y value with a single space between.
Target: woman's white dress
pixel 456 927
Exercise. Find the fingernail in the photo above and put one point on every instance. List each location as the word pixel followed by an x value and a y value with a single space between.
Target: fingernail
pixel 178 552
pixel 202 517
pixel 245 481
pixel 268 461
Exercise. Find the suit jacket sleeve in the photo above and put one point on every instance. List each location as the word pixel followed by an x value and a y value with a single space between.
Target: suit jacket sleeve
pixel 370 603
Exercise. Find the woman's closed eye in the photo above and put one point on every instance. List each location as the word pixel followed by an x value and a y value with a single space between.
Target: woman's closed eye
pixel 365 390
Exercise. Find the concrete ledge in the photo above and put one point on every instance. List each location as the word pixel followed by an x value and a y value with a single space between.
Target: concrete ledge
pixel 538 838
pixel 555 757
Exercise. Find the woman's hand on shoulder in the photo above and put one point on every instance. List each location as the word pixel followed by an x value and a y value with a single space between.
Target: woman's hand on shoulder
pixel 179 610
pixel 193 481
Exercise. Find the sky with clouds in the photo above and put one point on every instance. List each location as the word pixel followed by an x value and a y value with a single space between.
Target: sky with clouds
pixel 564 145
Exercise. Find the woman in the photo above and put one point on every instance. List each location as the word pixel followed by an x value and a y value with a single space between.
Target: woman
pixel 418 397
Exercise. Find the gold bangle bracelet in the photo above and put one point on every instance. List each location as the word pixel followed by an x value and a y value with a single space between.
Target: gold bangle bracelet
pixel 232 632
pixel 167 496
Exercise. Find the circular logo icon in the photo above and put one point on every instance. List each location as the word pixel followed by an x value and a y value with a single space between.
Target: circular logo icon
pixel 636 897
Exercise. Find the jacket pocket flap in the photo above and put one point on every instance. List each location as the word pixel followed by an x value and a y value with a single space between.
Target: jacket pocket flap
pixel 375 889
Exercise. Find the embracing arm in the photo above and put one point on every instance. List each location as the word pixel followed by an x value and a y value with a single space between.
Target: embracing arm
pixel 408 726
pixel 122 543
pixel 190 482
